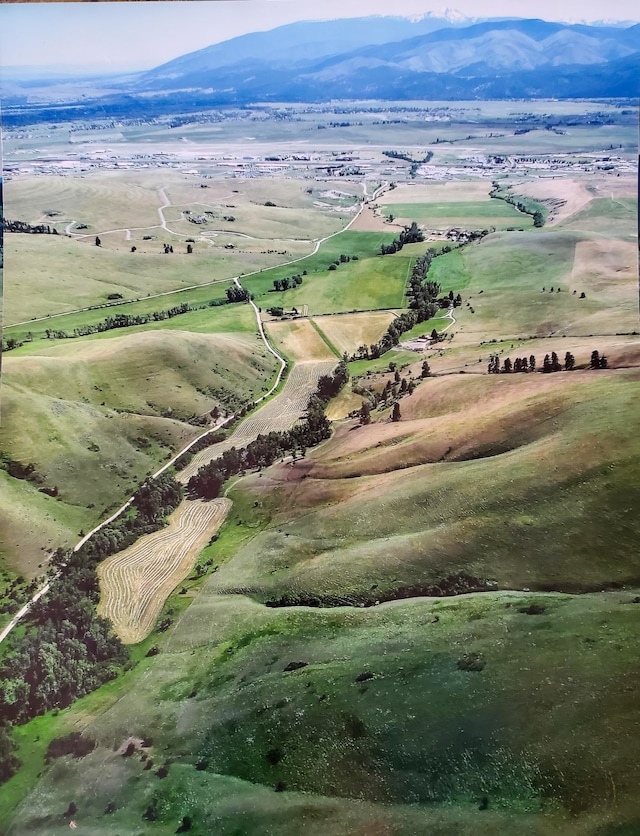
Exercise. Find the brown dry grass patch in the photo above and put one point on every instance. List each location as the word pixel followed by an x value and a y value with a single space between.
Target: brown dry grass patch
pixel 350 331
pixel 452 191
pixel 299 340
pixel 564 196
pixel 135 583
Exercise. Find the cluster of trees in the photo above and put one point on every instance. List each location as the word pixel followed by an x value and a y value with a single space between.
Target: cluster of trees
pixel 266 449
pixel 286 283
pixel 551 363
pixel 409 235
pixel 415 164
pixel 237 294
pixel 598 361
pixel 538 217
pixel 66 649
pixel 423 304
pixel 392 391
pixel 23 226
pixel 343 259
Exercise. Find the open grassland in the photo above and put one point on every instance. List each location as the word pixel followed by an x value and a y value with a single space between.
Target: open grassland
pixel 107 200
pixel 204 318
pixel 366 284
pixel 238 236
pixel 97 416
pixel 279 413
pixel 467 191
pixel 32 525
pixel 503 484
pixel 135 583
pixel 417 712
pixel 347 333
pixel 52 274
pixel 613 217
pixel 466 214
pixel 526 284
pixel 299 340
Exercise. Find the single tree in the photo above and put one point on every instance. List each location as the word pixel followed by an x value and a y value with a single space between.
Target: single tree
pixel 595 360
pixel 395 415
pixel 426 369
pixel 569 361
pixel 365 413
pixel 189 249
pixel 532 363
pixel 98 242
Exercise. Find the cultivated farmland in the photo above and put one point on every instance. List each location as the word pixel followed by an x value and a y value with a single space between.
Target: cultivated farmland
pixel 280 413
pixel 135 583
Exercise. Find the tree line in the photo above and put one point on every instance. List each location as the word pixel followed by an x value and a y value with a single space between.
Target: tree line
pixel 67 650
pixel 266 449
pixel 415 164
pixel 423 304
pixel 23 226
pixel 410 235
pixel 497 193
pixel 123 320
pixel 551 363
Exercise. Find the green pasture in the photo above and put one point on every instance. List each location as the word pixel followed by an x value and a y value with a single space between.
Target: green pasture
pixel 611 217
pixel 357 368
pixel 400 728
pixel 225 318
pixel 49 275
pixel 466 214
pixel 438 322
pixel 503 279
pixel 366 284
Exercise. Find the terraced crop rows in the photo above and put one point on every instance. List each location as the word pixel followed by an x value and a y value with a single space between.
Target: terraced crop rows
pixel 135 583
pixel 281 413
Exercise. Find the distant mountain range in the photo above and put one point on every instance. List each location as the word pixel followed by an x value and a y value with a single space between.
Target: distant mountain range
pixel 393 58
pixel 398 58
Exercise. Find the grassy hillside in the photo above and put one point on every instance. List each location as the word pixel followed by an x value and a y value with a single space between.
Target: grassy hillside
pixel 96 416
pixel 500 479
pixel 423 626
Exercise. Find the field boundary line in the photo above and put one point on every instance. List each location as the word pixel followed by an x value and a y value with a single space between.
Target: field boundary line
pixel 318 243
pixel 324 337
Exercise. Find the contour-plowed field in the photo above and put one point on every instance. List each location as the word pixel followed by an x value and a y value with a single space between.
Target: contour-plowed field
pixel 281 413
pixel 135 583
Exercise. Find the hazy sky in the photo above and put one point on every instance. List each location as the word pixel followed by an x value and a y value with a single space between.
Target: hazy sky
pixel 124 36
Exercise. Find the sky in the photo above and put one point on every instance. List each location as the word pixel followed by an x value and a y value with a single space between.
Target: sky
pixel 121 36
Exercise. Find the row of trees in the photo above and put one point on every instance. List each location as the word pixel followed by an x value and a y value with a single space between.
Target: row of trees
pixel 266 449
pixel 538 217
pixel 551 363
pixel 67 650
pixel 423 305
pixel 23 226
pixel 415 164
pixel 409 235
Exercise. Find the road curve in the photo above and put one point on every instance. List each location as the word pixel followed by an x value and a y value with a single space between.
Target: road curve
pixel 16 619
